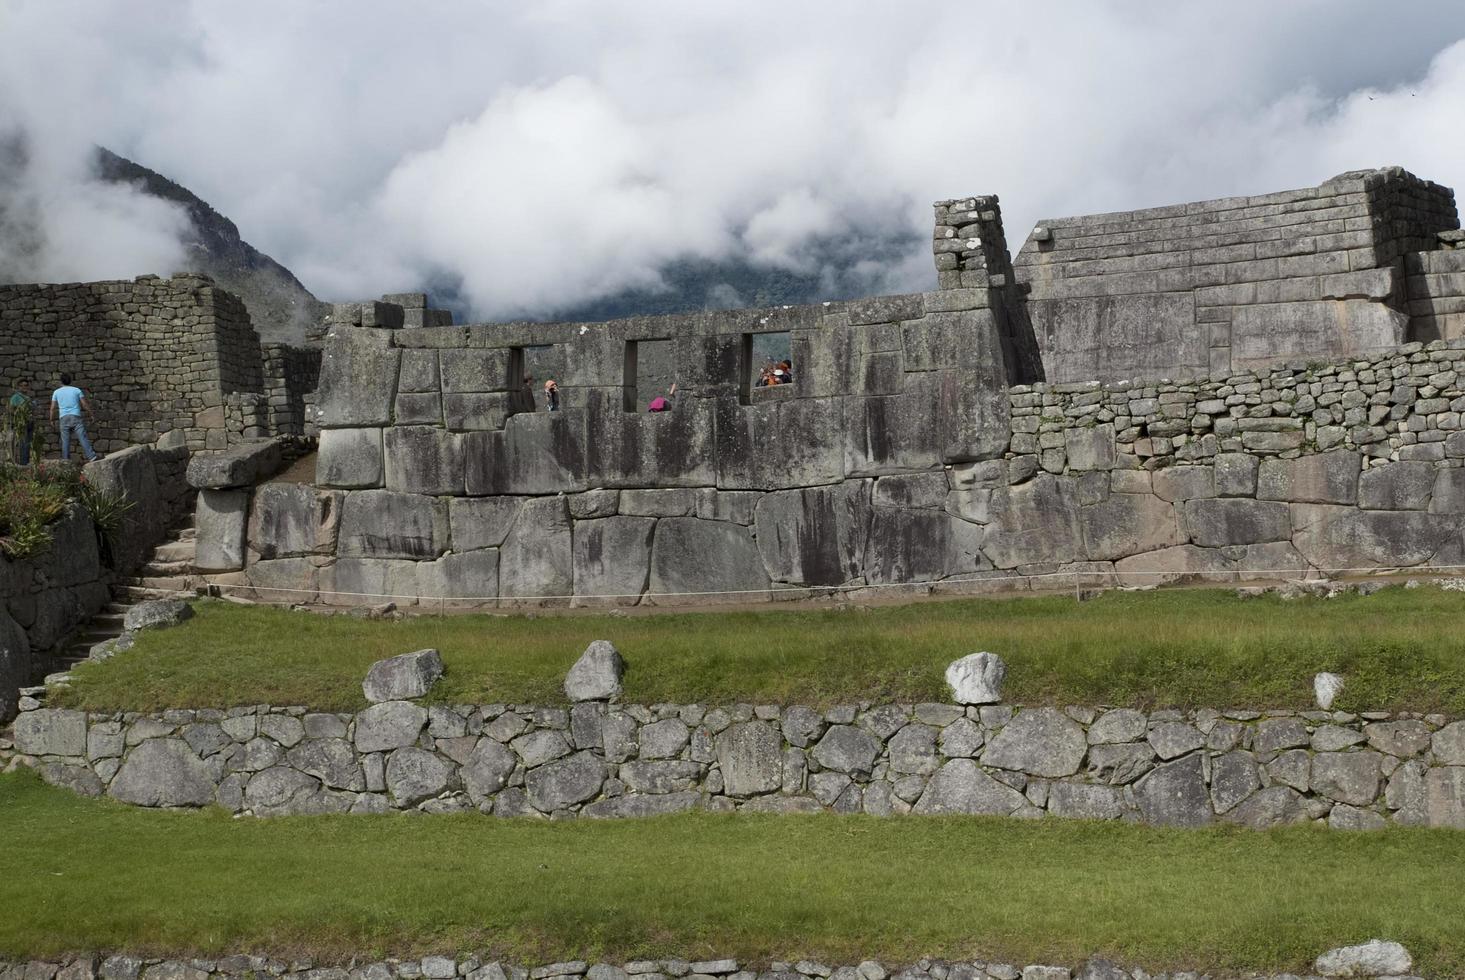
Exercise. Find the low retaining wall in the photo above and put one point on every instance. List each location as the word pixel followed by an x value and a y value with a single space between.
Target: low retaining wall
pixel 1163 767
pixel 1369 959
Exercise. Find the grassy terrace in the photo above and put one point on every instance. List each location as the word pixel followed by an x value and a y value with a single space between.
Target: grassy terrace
pixel 1400 649
pixel 88 874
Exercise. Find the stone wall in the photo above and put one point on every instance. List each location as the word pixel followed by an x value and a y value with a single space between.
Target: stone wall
pixel 43 598
pixel 1436 289
pixel 1222 286
pixel 154 355
pixel 433 481
pixel 1170 768
pixel 1370 959
pixel 290 374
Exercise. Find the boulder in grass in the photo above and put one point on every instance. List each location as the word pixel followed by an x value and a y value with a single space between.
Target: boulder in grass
pixel 401 678
pixel 1326 687
pixel 1375 958
pixel 977 678
pixel 597 675
pixel 156 613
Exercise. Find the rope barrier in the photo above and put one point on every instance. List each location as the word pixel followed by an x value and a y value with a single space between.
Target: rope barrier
pixel 822 590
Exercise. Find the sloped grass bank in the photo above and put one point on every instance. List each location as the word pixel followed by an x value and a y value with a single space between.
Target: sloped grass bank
pixel 85 874
pixel 1400 649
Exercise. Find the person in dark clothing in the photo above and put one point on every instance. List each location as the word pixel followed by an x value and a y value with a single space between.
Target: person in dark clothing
pixel 552 395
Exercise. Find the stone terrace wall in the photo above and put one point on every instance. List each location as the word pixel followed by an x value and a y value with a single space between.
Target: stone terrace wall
pixel 154 355
pixel 1165 767
pixel 44 598
pixel 433 483
pixel 290 374
pixel 1350 467
pixel 1217 287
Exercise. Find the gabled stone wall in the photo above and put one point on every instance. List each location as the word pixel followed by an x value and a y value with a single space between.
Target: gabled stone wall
pixel 1169 768
pixel 1223 286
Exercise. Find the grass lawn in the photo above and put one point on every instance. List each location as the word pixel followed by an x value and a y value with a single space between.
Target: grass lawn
pixel 1399 649
pixel 86 874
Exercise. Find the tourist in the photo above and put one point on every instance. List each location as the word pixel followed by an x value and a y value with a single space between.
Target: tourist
pixel 765 376
pixel 71 402
pixel 21 404
pixel 552 395
pixel 660 404
pixel 783 374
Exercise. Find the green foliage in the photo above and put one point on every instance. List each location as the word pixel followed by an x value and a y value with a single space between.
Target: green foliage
pixel 33 497
pixel 1400 649
pixel 106 507
pixel 93 874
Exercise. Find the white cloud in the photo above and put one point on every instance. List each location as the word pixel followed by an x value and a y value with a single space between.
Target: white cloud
pixel 548 153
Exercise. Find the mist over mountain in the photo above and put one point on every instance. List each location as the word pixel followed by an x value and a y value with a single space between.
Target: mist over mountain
pixel 280 307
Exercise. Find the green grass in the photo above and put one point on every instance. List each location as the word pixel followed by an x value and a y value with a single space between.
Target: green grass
pixel 1399 649
pixel 83 874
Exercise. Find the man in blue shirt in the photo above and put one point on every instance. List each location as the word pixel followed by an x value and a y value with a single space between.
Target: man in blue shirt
pixel 71 402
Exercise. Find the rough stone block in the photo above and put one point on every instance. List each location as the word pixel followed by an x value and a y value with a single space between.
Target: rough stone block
pixel 422 459
pixel 459 581
pixel 1127 524
pixel 1397 486
pixel 481 522
pixel 612 557
pixel 1091 448
pixel 1322 478
pixel 814 536
pixel 385 524
pixel 705 561
pixel 220 518
pixel 239 466
pixel 289 519
pixel 537 558
pixel 350 458
pixel 358 381
pixel 1221 522
pixel 468 369
pixel 1339 538
pixel 1037 521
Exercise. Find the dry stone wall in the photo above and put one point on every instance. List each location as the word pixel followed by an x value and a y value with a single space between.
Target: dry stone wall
pixel 1436 288
pixel 1170 768
pixel 154 355
pixel 1375 958
pixel 1223 286
pixel 43 599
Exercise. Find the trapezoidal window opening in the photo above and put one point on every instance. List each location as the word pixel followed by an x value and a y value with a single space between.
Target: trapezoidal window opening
pixel 650 371
pixel 766 362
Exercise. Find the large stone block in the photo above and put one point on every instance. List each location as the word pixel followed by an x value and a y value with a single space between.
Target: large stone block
pixel 1127 524
pixel 468 369
pixel 459 580
pixel 1224 521
pixel 537 453
pixel 1337 538
pixel 1175 795
pixel 384 524
pixel 424 459
pixel 238 466
pixel 51 731
pixel 650 449
pixel 612 557
pixel 349 458
pixel 1035 521
pixel 781 444
pixel 133 473
pixel 220 518
pixel 163 772
pixel 1444 797
pixel 368 581
pixel 1322 478
pixel 705 560
pixel 750 755
pixel 358 380
pixel 920 545
pixel 290 519
pixel 1142 336
pixel 1273 333
pixel 814 536
pixel 537 558
pixel 481 522
pixel 1039 742
pixel 960 786
pixel 1397 486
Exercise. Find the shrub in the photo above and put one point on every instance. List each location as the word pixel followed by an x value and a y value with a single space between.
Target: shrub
pixel 31 498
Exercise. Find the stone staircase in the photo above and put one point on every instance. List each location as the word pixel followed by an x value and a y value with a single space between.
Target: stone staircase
pixel 167 572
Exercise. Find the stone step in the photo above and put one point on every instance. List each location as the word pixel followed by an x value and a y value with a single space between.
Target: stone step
pixel 175 551
pixel 108 619
pixel 186 533
pixel 164 569
pixel 117 608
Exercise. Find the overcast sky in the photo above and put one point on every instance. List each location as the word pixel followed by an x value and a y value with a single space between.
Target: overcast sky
pixel 553 151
